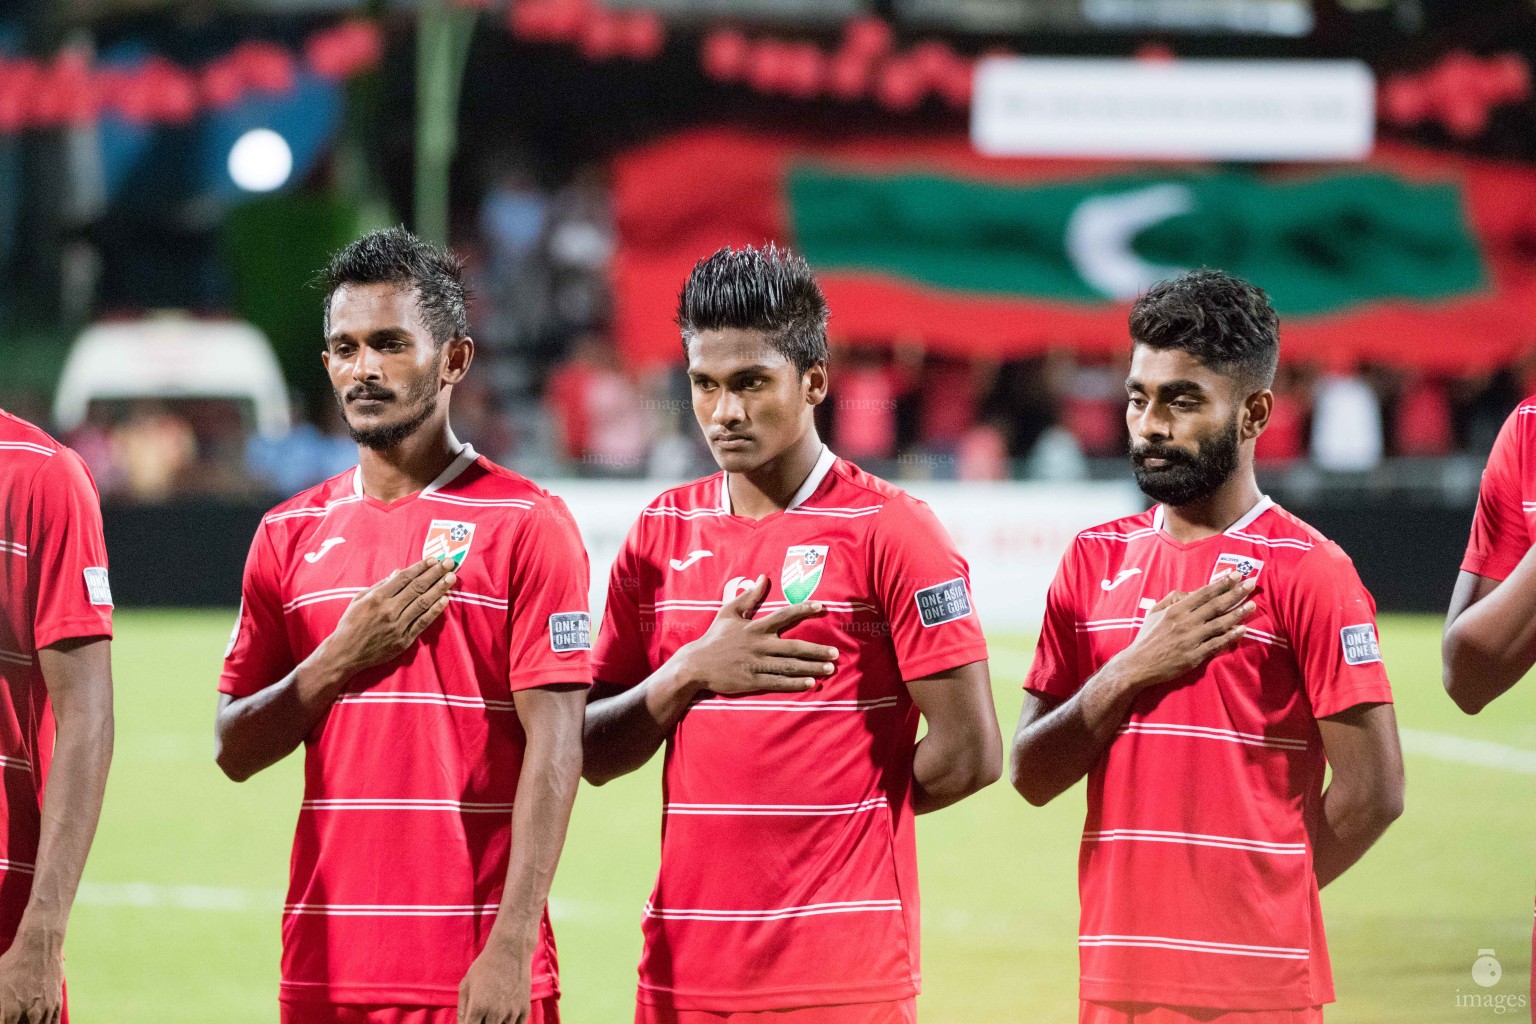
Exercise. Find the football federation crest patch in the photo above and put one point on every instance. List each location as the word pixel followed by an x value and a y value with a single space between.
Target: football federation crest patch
pixel 1245 566
pixel 803 566
pixel 449 541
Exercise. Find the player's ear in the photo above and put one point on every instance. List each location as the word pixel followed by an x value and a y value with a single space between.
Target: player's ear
pixel 460 353
pixel 814 381
pixel 1257 408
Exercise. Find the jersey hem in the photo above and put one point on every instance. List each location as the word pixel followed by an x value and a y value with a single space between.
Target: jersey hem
pixel 391 995
pixel 1214 997
pixel 758 1000
pixel 581 676
pixel 1488 568
pixel 943 661
pixel 1371 693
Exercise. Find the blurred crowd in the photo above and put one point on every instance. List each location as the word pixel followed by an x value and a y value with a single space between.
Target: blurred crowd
pixel 551 397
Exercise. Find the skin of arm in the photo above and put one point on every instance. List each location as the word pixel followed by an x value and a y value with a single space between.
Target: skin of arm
pixel 739 654
pixel 962 751
pixel 255 732
pixel 1059 741
pixel 1490 635
pixel 1365 794
pixel 496 990
pixel 78 675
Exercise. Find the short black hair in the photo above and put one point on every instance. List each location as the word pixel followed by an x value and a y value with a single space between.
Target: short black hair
pixel 1221 320
pixel 764 289
pixel 395 256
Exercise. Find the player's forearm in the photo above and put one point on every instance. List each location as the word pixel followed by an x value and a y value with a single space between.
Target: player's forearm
pixel 624 731
pixel 1053 752
pixel 945 773
pixel 1352 819
pixel 541 815
pixel 1491 645
pixel 77 781
pixel 253 733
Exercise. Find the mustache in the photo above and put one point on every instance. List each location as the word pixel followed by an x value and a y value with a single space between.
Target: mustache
pixel 1173 456
pixel 367 391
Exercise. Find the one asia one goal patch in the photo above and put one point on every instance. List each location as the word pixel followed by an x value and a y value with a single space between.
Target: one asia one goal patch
pixel 943 602
pixel 1360 646
pixel 570 631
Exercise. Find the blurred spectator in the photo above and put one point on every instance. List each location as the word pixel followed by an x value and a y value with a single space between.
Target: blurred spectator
pixel 864 424
pixel 580 246
pixel 514 282
pixel 1423 419
pixel 948 389
pixel 304 456
pixel 92 441
pixel 599 411
pixel 1346 423
pixel 983 452
pixel 1285 439
pixel 154 447
pixel 1092 402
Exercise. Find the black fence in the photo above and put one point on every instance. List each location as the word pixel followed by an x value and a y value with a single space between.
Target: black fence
pixel 191 553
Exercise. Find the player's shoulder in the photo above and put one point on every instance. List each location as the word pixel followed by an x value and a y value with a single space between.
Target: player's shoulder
pixel 853 488
pixel 493 485
pixel 1294 541
pixel 1117 532
pixel 24 438
pixel 314 502
pixel 698 499
pixel 33 459
pixel 1520 427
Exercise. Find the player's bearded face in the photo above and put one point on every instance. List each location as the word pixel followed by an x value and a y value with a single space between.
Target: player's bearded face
pixel 386 370
pixel 1179 476
pixel 415 404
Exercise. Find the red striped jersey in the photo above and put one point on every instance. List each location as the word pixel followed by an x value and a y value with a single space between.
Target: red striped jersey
pixel 788 864
pixel 53 587
pixel 403 836
pixel 1196 871
pixel 1505 522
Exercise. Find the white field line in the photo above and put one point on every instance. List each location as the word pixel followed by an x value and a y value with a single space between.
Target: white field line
pixel 1460 750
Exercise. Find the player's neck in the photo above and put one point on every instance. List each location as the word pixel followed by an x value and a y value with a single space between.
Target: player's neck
pixel 1213 514
pixel 770 487
pixel 390 474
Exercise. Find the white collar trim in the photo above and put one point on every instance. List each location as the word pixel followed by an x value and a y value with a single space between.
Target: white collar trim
pixel 818 473
pixel 1264 504
pixel 463 457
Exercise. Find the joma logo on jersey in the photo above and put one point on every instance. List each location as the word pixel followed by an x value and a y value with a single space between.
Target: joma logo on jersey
pixel 1244 565
pixel 449 541
pixel 803 567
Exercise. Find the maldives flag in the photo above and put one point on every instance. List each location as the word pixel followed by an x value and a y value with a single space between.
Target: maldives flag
pixel 1413 258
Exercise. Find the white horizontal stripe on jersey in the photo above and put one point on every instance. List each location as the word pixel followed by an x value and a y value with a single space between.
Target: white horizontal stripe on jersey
pixel 1526 411
pixel 459 499
pixel 389 909
pixel 312 510
pixel 1194 946
pixel 25 446
pixel 1272 542
pixel 15 658
pixel 315 597
pixel 1528 505
pixel 836 513
pixel 485 600
pixel 1100 625
pixel 21 764
pixel 1148 835
pixel 759 704
pixel 777 810
pixel 386 804
pixel 1205 732
pixel 443 699
pixel 1146 531
pixel 1263 637
pixel 682 513
pixel 17 866
pixel 783 913
pixel 11 548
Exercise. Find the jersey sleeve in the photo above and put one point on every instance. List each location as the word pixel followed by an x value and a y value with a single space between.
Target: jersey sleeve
pixel 923 587
pixel 67 554
pixel 550 638
pixel 1057 670
pixel 1330 620
pixel 259 652
pixel 622 657
pixel 1500 537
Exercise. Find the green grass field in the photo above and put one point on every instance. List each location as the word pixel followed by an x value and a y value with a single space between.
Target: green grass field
pixel 178 917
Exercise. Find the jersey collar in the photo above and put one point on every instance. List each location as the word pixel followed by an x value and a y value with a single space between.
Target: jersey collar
pixel 818 473
pixel 463 457
pixel 1264 504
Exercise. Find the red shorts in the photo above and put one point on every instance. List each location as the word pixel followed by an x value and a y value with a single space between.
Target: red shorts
pixel 903 1011
pixel 544 1011
pixel 1150 1013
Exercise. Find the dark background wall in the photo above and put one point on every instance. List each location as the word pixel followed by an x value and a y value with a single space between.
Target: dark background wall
pixel 192 552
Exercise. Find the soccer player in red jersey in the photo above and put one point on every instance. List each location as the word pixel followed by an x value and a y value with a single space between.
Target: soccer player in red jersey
pixel 420 625
pixel 788 883
pixel 55 706
pixel 1202 663
pixel 1490 631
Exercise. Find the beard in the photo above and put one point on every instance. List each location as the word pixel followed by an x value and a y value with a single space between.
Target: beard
pixel 421 394
pixel 1187 477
